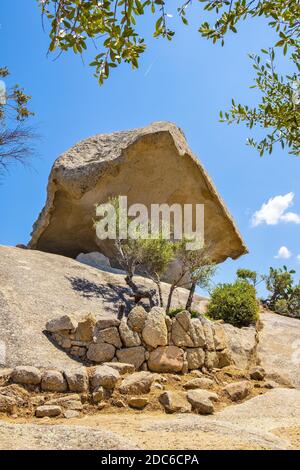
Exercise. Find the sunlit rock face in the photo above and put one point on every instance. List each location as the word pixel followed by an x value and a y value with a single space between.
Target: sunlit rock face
pixel 151 165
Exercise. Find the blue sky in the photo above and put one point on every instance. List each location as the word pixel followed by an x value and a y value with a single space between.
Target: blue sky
pixel 187 81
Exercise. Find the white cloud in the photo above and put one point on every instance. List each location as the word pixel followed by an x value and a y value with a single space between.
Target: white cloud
pixel 283 253
pixel 274 211
pixel 298 258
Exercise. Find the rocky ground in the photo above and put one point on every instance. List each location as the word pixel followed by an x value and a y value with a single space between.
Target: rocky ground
pixel 268 421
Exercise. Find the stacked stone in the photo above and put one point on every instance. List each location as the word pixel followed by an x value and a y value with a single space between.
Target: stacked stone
pixel 149 341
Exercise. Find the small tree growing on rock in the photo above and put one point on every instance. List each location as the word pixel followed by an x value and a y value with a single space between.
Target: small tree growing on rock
pixel 156 254
pixel 129 254
pixel 196 270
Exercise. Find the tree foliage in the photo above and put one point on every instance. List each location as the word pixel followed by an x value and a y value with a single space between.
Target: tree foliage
pixel 247 275
pixel 112 26
pixel 234 303
pixel 15 137
pixel 284 295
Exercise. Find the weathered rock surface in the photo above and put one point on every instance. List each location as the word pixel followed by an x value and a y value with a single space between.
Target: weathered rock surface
pixel 77 380
pixel 93 259
pixel 174 402
pixel 238 390
pixel 121 367
pixel 53 381
pixel 201 382
pixel 101 352
pixel 65 322
pixel 27 302
pixel 195 358
pixel 60 437
pixel 48 410
pixel 138 403
pixel 127 163
pixel 129 337
pixel 110 336
pixel 105 376
pixel 27 375
pixel 155 332
pixel 166 359
pixel 187 332
pixel 279 346
pixel 137 383
pixel 134 356
pixel 202 401
pixel 137 318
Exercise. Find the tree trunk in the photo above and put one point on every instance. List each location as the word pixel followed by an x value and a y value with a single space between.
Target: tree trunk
pixel 161 300
pixel 191 296
pixel 141 293
pixel 172 288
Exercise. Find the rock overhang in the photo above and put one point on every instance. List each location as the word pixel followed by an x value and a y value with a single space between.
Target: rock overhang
pixel 149 165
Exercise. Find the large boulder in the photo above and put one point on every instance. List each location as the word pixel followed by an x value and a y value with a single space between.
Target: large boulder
pixel 149 165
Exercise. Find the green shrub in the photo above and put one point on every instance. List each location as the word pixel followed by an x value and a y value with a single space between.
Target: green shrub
pixel 173 312
pixel 281 306
pixel 234 303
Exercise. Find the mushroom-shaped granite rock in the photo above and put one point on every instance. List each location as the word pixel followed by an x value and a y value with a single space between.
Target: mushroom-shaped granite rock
pixel 151 165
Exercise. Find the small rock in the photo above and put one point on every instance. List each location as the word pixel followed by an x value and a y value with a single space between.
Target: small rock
pixel 118 403
pixel 238 390
pixel 53 381
pixel 195 358
pixel 109 335
pixel 106 322
pixel 201 382
pixel 201 401
pixel 105 376
pixel 224 358
pixel 48 410
pixel 134 356
pixel 174 402
pixel 219 337
pixel 85 329
pixel 101 352
pixel 69 414
pixel 26 375
pixel 166 359
pixel 257 373
pixel 95 259
pixel 211 360
pixel 77 380
pixel 157 386
pixel 137 383
pixel 5 375
pixel 7 404
pixel 64 399
pixel 78 351
pixel 129 337
pixel 121 367
pixel 98 395
pixel 138 403
pixel 75 405
pixel 137 318
pixel 65 322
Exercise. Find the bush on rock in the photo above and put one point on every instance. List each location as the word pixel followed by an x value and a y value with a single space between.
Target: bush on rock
pixel 234 303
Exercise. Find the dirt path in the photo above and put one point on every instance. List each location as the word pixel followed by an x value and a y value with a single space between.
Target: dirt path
pixel 269 421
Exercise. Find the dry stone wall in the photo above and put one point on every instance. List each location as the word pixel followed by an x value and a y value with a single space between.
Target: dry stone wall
pixel 153 341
